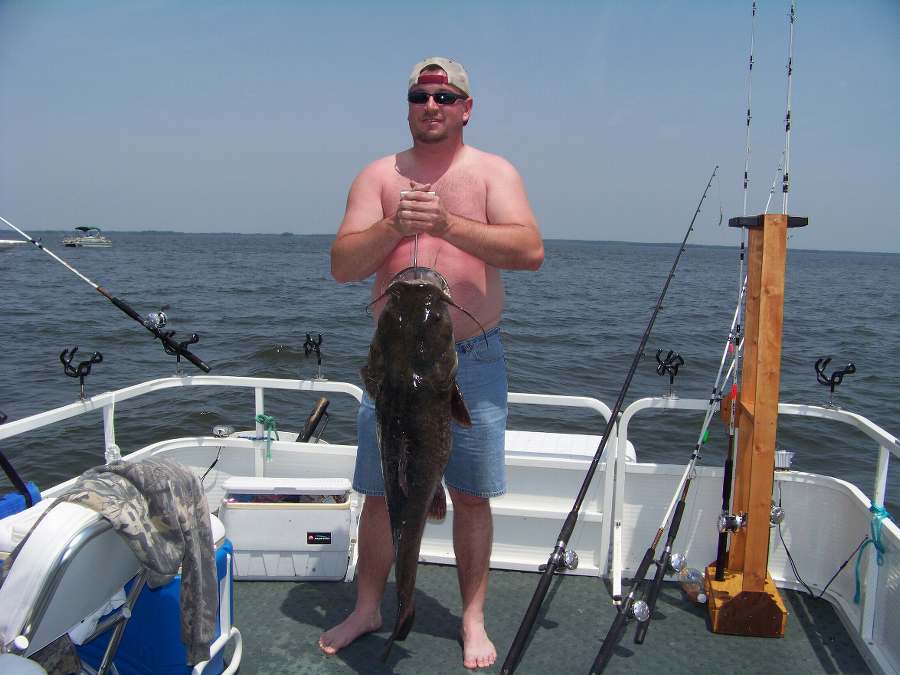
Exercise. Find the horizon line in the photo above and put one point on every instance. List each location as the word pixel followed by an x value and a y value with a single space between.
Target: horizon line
pixel 596 241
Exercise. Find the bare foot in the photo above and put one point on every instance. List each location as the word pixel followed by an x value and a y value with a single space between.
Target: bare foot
pixel 478 650
pixel 355 625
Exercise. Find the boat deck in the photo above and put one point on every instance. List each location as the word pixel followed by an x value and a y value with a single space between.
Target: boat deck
pixel 281 623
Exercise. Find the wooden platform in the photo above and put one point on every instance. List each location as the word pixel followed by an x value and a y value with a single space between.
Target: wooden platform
pixel 738 612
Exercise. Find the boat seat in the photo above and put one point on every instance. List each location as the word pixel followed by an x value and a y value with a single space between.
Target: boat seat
pixel 70 567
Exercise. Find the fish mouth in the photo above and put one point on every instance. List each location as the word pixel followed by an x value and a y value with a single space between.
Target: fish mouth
pixel 420 274
pixel 427 276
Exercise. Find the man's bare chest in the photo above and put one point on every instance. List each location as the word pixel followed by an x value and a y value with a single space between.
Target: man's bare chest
pixel 462 193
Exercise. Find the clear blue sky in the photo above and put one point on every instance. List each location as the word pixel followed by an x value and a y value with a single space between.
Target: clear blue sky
pixel 255 116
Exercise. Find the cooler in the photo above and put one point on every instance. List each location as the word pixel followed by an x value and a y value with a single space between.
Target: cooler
pixel 288 528
pixel 151 643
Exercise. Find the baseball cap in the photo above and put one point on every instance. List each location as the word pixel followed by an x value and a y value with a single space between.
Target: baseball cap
pixel 456 74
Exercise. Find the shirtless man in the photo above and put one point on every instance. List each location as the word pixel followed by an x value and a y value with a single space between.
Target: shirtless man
pixel 478 222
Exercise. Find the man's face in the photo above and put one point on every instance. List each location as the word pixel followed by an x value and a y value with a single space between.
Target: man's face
pixel 431 121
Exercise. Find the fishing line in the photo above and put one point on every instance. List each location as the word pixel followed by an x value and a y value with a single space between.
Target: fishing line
pixel 165 337
pixel 778 171
pixel 559 556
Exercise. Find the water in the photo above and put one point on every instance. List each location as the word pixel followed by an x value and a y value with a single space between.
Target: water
pixel 571 328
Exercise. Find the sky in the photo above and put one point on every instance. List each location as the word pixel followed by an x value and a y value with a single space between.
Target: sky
pixel 256 116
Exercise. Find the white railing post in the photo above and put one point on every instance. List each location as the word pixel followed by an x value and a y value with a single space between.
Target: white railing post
pixel 111 453
pixel 867 610
pixel 881 474
pixel 258 455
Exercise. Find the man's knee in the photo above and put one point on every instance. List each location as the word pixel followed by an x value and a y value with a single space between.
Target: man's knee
pixel 374 510
pixel 463 501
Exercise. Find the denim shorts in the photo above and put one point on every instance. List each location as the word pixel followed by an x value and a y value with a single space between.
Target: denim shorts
pixel 477 462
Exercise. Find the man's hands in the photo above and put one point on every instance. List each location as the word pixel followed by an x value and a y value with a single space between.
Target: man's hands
pixel 420 212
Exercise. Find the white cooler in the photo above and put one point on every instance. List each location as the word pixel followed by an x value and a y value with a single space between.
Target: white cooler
pixel 288 528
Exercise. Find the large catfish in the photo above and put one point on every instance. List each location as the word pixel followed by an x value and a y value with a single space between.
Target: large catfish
pixel 411 376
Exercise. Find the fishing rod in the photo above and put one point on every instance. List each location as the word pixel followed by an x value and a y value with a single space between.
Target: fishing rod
pixel 726 521
pixel 736 337
pixel 643 609
pixel 152 324
pixel 560 557
pixel 785 177
pixel 749 107
pixel 663 565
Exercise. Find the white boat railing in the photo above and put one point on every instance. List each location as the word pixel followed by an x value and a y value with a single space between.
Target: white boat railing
pixel 106 402
pixel 871 620
pixel 529 451
pixel 873 606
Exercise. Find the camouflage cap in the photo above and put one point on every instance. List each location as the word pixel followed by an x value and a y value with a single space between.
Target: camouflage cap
pixel 456 74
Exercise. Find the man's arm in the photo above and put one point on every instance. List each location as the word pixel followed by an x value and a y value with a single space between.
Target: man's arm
pixel 509 240
pixel 365 237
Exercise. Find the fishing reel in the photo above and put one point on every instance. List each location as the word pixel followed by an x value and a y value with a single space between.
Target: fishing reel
pixel 669 366
pixel 776 515
pixel 732 522
pixel 834 379
pixel 640 610
pixel 568 558
pixel 157 319
pixel 677 563
pixel 83 369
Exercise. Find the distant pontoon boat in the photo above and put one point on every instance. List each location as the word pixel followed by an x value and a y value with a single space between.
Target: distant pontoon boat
pixel 90 237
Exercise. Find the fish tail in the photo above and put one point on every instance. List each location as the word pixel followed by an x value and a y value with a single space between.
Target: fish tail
pixel 401 630
pixel 387 650
pixel 438 510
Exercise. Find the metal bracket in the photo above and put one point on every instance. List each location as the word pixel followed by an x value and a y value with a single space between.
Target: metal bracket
pixel 834 380
pixel 82 370
pixel 314 346
pixel 669 366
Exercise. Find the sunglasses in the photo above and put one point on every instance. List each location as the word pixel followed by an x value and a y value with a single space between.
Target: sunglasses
pixel 440 97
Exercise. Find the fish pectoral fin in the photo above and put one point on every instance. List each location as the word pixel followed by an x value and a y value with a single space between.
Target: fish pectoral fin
pixel 369 383
pixel 438 509
pixel 458 409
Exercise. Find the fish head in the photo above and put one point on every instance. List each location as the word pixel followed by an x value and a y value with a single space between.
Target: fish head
pixel 419 297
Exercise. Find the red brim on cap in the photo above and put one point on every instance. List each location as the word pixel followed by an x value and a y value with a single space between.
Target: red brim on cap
pixel 432 78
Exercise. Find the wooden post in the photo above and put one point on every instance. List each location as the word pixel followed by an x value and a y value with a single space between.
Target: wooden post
pixel 747 601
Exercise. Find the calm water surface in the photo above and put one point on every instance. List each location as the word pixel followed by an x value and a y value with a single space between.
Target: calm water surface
pixel 571 328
